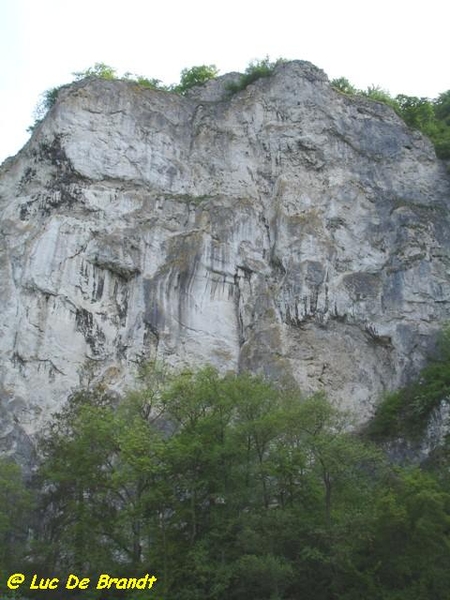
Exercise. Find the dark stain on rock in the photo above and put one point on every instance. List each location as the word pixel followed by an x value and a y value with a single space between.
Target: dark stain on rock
pixel 19 362
pixel 98 292
pixel 121 298
pixel 60 197
pixel 93 335
pixel 153 315
pixel 362 286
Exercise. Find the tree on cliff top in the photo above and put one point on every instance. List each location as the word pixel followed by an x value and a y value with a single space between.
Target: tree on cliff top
pixel 195 76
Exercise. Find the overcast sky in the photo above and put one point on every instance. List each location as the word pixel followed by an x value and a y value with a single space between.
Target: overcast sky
pixel 397 44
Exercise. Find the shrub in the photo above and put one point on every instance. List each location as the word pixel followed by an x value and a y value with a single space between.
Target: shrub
pixel 255 70
pixel 100 70
pixel 375 92
pixel 153 84
pixel 342 84
pixel 199 75
pixel 46 101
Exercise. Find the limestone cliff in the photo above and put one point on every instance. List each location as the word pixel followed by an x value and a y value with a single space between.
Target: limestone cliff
pixel 287 229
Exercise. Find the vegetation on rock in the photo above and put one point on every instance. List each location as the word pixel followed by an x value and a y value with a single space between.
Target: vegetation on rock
pixel 99 71
pixel 406 412
pixel 195 76
pixel 256 70
pixel 430 116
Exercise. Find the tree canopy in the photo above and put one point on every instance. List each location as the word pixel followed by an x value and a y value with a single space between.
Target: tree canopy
pixel 227 486
pixel 199 75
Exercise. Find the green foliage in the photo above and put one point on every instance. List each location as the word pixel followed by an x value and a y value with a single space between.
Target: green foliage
pixel 145 82
pixel 255 70
pixel 410 545
pixel 47 101
pixel 103 71
pixel 416 112
pixel 442 107
pixel 49 97
pixel 15 516
pixel 441 137
pixel 228 487
pixel 99 471
pixel 195 76
pixel 262 576
pixel 431 117
pixel 99 70
pixel 189 78
pixel 342 84
pixel 405 413
pixel 249 479
pixel 375 92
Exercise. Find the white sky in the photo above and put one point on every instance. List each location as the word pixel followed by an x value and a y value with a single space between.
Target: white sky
pixel 400 45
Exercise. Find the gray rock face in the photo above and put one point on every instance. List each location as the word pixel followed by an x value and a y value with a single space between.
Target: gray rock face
pixel 287 229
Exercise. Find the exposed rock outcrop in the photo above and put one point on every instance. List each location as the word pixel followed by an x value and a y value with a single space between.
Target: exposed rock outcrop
pixel 287 229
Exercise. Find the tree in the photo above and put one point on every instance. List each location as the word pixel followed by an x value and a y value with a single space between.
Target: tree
pixel 441 138
pixel 100 70
pixel 263 480
pixel 410 545
pixel 227 486
pixel 100 465
pixel 199 75
pixel 442 107
pixel 417 112
pixel 16 505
